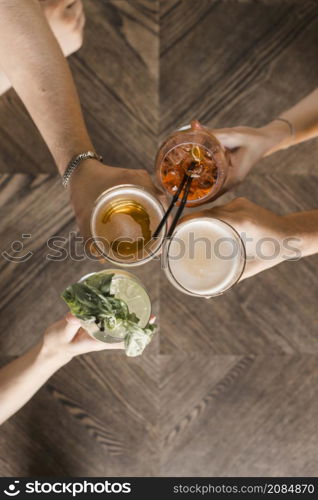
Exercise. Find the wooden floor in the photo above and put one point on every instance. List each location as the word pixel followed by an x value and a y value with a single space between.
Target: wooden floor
pixel 230 386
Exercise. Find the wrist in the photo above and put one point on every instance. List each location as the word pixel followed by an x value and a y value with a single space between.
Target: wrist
pixel 52 356
pixel 75 162
pixel 302 231
pixel 295 241
pixel 70 150
pixel 276 136
pixel 85 170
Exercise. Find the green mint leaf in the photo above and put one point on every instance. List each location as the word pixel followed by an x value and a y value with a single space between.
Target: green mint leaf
pixel 101 282
pixel 137 339
pixel 91 301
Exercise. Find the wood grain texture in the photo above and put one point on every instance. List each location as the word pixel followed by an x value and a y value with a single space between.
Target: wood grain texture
pixel 107 400
pixel 274 311
pixel 116 72
pixel 234 63
pixel 229 386
pixel 240 416
pixel 241 58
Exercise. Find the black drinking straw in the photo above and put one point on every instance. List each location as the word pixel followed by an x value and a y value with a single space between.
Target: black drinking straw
pixel 187 179
pixel 173 202
pixel 181 206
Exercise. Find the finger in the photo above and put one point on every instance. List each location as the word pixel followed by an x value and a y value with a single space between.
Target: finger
pixel 117 346
pixel 218 213
pixel 230 212
pixel 74 9
pixel 196 125
pixel 164 200
pixel 71 319
pixel 70 3
pixel 61 4
pixel 50 3
pixel 81 22
pixel 50 6
pixel 67 326
pixel 146 181
pixel 227 137
pixel 71 326
pixel 86 343
pixel 222 212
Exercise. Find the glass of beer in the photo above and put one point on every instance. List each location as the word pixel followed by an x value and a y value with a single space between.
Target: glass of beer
pixel 205 257
pixel 187 147
pixel 122 223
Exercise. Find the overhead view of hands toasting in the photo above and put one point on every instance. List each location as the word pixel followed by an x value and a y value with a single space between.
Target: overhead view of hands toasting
pixel 39 34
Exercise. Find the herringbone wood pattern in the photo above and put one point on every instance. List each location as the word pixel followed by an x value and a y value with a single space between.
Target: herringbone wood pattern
pixel 230 385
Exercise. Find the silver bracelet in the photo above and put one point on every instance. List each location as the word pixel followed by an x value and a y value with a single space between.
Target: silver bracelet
pixel 75 161
pixel 290 125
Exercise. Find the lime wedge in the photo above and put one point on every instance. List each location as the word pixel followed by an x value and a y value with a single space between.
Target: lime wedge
pixel 134 295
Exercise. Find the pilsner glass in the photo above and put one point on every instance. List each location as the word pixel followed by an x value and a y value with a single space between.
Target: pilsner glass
pixel 205 257
pixel 122 223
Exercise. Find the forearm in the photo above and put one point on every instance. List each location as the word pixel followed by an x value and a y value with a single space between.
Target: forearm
pixel 34 63
pixel 304 227
pixel 23 377
pixel 304 119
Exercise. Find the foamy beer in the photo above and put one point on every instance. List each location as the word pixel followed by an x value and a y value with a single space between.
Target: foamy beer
pixel 122 223
pixel 205 257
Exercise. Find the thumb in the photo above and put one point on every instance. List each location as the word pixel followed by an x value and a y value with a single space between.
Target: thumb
pixel 196 125
pixel 222 212
pixel 71 325
pixel 227 137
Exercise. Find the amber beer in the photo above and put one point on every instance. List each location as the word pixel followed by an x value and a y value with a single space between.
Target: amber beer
pixel 182 150
pixel 122 223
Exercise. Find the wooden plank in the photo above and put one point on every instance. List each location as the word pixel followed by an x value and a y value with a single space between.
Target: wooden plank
pixel 229 386
pixel 107 400
pixel 236 64
pixel 274 311
pixel 240 60
pixel 179 18
pixel 253 417
pixel 116 72
pixel 100 419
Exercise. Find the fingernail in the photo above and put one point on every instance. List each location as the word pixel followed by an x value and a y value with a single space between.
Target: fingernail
pixel 195 124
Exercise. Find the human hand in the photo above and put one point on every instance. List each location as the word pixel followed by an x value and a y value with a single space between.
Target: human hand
pixel 245 146
pixel 66 19
pixel 268 238
pixel 92 178
pixel 65 339
pixel 20 379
